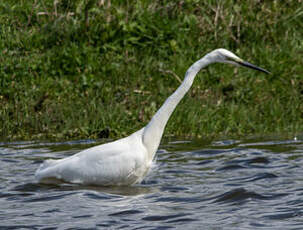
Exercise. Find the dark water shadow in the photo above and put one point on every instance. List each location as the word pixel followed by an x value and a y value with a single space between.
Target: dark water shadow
pixel 113 190
pixel 242 195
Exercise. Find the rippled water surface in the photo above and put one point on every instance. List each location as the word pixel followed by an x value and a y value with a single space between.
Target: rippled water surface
pixel 229 184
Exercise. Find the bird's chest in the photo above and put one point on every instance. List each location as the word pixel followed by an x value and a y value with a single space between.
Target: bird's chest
pixel 139 173
pixel 141 167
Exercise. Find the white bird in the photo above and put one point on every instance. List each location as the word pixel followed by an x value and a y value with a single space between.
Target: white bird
pixel 128 160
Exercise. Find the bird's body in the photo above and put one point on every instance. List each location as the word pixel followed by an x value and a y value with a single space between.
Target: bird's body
pixel 114 163
pixel 128 160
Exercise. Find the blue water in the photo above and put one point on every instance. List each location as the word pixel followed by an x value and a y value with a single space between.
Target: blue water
pixel 228 184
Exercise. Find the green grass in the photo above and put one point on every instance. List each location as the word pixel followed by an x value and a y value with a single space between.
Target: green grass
pixel 82 69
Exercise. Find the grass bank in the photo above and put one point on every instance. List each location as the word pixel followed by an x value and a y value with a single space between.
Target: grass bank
pixel 89 69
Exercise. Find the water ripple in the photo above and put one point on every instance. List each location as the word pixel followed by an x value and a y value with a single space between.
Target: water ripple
pixel 125 213
pixel 46 198
pixel 231 184
pixel 163 217
pixel 241 194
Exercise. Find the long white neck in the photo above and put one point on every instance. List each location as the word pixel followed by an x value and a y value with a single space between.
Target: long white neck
pixel 153 131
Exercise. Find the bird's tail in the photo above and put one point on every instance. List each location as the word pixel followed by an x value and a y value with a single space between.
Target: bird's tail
pixel 45 169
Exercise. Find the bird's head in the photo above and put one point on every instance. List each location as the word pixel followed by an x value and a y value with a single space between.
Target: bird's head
pixel 225 56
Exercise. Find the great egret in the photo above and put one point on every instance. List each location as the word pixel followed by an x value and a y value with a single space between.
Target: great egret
pixel 128 160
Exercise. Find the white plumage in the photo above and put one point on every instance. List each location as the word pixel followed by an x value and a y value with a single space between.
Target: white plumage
pixel 128 160
pixel 115 163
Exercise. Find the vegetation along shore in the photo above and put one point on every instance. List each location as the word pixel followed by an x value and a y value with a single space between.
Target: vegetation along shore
pixel 101 69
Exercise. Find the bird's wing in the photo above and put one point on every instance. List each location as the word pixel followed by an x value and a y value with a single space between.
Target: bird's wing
pixel 110 163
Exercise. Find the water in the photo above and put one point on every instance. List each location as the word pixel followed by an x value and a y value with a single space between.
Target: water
pixel 229 184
